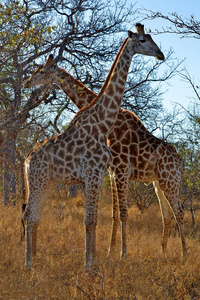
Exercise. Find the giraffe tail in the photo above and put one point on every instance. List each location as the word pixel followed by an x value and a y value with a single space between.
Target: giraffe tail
pixel 23 223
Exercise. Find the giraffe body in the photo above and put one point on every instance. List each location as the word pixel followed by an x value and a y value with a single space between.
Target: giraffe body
pixel 140 156
pixel 65 159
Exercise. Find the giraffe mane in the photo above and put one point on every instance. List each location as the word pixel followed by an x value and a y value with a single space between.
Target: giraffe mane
pixel 130 113
pixel 78 82
pixel 105 85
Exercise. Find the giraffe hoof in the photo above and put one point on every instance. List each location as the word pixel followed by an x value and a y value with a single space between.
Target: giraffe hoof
pixel 94 262
pixel 28 266
pixel 123 256
pixel 88 265
pixel 111 252
pixel 185 256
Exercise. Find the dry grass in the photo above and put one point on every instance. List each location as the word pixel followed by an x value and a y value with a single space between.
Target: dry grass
pixel 58 270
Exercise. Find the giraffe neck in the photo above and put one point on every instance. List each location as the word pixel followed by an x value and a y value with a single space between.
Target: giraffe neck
pixel 108 101
pixel 111 95
pixel 80 95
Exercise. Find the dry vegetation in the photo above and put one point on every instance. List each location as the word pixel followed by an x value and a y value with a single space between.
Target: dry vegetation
pixel 58 270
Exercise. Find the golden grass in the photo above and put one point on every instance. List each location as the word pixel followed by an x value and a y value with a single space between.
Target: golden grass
pixel 58 269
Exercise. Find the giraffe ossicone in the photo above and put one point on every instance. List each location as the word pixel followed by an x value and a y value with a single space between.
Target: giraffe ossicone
pixel 80 154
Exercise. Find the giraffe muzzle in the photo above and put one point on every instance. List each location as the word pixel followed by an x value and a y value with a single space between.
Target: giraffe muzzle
pixel 160 56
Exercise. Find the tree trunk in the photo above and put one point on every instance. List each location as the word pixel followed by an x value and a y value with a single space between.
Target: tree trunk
pixel 9 187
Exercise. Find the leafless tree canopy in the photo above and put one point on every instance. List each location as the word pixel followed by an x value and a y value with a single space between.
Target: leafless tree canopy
pixel 84 36
pixel 186 27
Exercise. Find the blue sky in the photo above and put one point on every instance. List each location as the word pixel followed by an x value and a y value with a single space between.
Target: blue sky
pixel 188 48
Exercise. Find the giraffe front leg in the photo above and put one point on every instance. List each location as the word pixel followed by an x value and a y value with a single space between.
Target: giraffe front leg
pixel 124 247
pixel 88 232
pixel 28 259
pixel 90 229
pixel 34 239
pixel 93 245
pixel 92 197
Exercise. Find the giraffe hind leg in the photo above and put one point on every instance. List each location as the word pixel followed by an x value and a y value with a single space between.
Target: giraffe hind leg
pixel 166 212
pixel 23 229
pixel 122 189
pixel 115 217
pixel 179 215
pixel 177 209
pixel 32 215
pixel 179 218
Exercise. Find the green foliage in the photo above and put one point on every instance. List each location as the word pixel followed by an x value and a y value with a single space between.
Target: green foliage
pixel 189 149
pixel 192 167
pixel 21 33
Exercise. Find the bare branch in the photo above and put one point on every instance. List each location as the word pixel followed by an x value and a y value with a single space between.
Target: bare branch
pixel 186 77
pixel 185 27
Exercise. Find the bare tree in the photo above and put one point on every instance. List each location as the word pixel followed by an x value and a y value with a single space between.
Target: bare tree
pixel 83 35
pixel 142 195
pixel 143 93
pixel 36 29
pixel 183 26
pixel 194 112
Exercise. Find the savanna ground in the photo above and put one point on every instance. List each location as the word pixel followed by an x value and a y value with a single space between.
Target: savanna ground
pixel 58 269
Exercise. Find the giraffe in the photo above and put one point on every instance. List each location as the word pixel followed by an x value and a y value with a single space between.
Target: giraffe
pixel 154 155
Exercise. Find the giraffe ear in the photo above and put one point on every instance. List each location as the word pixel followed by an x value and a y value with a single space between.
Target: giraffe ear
pixel 49 60
pixel 132 35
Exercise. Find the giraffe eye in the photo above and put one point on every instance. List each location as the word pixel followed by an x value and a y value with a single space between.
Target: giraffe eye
pixel 142 41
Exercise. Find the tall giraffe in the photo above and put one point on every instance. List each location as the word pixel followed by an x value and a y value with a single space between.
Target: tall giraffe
pixel 145 165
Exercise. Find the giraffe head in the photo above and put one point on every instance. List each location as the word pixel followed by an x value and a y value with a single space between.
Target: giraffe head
pixel 43 75
pixel 144 44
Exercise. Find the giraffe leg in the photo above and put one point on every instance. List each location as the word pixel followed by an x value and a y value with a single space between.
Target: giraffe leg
pixel 124 247
pixel 115 214
pixel 34 239
pixel 122 189
pixel 90 228
pixel 35 204
pixel 93 245
pixel 179 214
pixel 28 260
pixel 44 197
pixel 176 206
pixel 92 188
pixel 166 212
